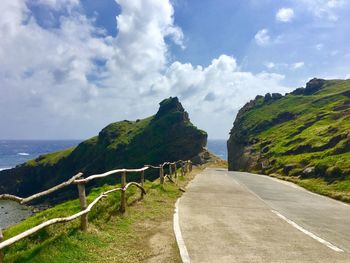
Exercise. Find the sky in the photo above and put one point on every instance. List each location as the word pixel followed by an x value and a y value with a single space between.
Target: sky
pixel 68 68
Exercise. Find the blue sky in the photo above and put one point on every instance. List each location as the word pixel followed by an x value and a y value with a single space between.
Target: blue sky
pixel 319 40
pixel 70 67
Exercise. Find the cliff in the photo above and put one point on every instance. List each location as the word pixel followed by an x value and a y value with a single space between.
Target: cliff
pixel 168 135
pixel 304 134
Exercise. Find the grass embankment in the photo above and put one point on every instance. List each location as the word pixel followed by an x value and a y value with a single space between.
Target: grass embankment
pixel 143 234
pixel 339 190
pixel 304 138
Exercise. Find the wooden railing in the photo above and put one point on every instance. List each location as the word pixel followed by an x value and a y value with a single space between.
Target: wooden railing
pixel 185 167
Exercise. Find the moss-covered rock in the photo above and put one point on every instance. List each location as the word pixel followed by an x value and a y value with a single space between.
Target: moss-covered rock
pixel 167 136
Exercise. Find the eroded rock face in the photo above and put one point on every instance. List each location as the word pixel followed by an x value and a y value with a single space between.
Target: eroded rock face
pixel 301 133
pixel 312 87
pixel 167 136
pixel 171 105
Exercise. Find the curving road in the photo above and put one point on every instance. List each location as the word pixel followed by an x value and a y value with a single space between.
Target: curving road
pixel 241 217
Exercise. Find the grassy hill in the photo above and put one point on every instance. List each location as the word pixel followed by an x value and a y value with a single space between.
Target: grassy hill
pixel 303 136
pixel 167 136
pixel 143 234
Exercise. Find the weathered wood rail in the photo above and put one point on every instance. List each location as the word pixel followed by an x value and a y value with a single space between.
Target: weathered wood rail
pixel 184 166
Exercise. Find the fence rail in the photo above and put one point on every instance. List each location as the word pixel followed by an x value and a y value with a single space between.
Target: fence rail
pixel 185 166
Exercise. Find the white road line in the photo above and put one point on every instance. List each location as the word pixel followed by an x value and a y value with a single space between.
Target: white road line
pixel 331 246
pixel 294 185
pixel 180 242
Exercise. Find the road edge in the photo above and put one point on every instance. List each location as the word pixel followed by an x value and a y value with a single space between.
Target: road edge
pixel 179 239
pixel 295 185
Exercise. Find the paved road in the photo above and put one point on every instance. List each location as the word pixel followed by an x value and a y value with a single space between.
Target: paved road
pixel 241 217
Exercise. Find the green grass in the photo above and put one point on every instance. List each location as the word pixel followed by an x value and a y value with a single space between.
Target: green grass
pixel 166 136
pixel 50 158
pixel 339 189
pixel 303 141
pixel 123 132
pixel 111 236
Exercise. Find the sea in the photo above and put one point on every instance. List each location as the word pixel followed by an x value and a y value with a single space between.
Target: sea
pixel 218 147
pixel 14 152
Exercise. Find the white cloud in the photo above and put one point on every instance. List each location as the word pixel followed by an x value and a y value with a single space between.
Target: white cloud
pixel 324 8
pixel 58 4
pixel 177 35
pixel 12 15
pixel 297 65
pixel 214 94
pixel 335 3
pixel 71 81
pixel 262 37
pixel 284 66
pixel 270 65
pixel 285 15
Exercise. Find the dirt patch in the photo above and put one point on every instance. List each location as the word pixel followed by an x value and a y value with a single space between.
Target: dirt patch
pixel 162 244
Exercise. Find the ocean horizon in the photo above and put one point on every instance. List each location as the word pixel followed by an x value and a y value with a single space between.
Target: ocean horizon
pixel 15 152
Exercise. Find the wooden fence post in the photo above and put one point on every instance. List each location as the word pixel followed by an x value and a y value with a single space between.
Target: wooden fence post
pixel 123 196
pixel 161 175
pixel 83 206
pixel 142 181
pixel 182 169
pixel 190 164
pixel 175 168
pixel 170 171
pixel 1 252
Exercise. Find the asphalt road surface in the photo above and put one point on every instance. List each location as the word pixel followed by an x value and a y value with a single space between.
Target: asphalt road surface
pixel 241 217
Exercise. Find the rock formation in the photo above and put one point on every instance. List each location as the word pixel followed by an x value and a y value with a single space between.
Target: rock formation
pixel 304 133
pixel 167 136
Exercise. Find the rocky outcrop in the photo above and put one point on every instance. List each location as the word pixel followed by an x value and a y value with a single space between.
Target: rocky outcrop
pixel 304 133
pixel 167 136
pixel 312 87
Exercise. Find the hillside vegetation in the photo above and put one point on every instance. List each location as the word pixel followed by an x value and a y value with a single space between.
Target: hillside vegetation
pixel 303 136
pixel 143 234
pixel 167 136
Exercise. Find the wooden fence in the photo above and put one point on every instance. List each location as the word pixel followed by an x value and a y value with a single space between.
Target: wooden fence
pixel 184 166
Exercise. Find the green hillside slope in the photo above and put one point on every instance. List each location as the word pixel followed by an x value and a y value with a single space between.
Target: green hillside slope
pixel 143 234
pixel 169 135
pixel 304 136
